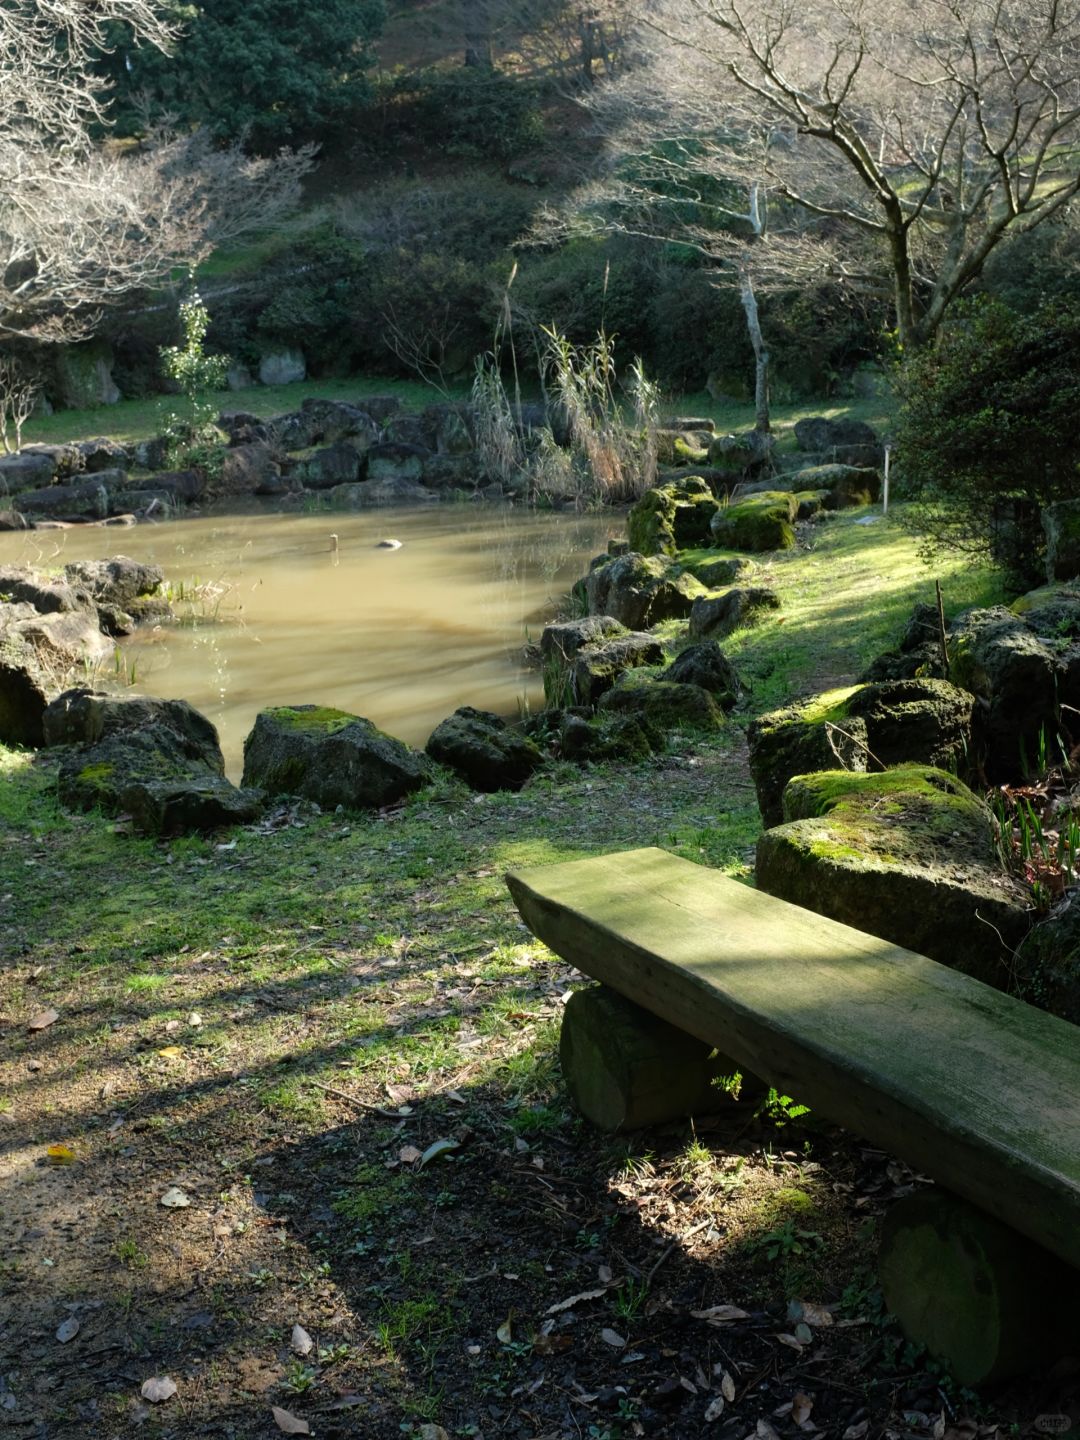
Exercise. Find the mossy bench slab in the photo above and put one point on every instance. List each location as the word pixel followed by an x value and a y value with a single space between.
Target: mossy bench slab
pixel 972 1087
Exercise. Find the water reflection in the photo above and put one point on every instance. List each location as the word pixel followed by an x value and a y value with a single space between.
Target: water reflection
pixel 298 609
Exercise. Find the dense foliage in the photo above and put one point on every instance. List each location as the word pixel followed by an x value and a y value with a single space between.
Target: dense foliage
pixel 987 430
pixel 269 70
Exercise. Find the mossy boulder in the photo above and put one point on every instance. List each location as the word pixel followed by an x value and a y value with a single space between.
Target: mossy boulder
pixel 83 717
pixel 743 456
pixel 641 590
pixel 322 469
pixel 117 581
pixel 908 854
pixel 918 655
pixel 605 737
pixel 721 571
pixel 84 375
pixel 565 638
pixel 672 517
pixel 330 757
pixel 925 721
pixel 810 503
pixel 734 609
pixel 596 668
pixel 814 734
pixel 707 666
pixel 662 704
pixel 167 782
pixel 480 747
pixel 757 523
pixel 841 486
pixel 869 727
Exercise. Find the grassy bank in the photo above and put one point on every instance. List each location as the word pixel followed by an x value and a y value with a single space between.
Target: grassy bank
pixel 281 1020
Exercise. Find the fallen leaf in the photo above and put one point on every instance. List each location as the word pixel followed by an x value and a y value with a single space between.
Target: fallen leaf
pixel 43 1019
pixel 435 1149
pixel 409 1154
pixel 290 1424
pixel 561 1305
pixel 175 1198
pixel 613 1338
pixel 765 1431
pixel 301 1341
pixel 68 1330
pixel 801 1405
pixel 716 1409
pixel 857 1432
pixel 433 1432
pixel 809 1313
pixel 170 1052
pixel 790 1341
pixel 727 1386
pixel 803 1333
pixel 504 1334
pixel 720 1314
pixel 157 1389
pixel 60 1155
pixel 603 1274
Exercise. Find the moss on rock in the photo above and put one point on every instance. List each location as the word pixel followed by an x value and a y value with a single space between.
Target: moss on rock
pixel 671 517
pixel 758 523
pixel 909 855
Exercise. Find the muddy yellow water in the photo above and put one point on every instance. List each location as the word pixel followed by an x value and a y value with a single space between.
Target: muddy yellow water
pixel 281 610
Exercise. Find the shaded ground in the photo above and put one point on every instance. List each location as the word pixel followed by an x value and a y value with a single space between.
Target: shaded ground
pixel 281 1023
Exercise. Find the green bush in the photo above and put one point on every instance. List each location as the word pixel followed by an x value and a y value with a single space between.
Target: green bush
pixel 471 111
pixel 987 431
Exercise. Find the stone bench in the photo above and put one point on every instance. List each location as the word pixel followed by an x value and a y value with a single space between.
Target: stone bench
pixel 969 1086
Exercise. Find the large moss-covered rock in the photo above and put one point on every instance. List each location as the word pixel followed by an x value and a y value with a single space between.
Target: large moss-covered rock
pixel 641 590
pixel 706 665
pixel 757 523
pixel 672 517
pixel 480 747
pixel 918 653
pixel 81 716
pixel 84 375
pixel 564 638
pixel 337 464
pixel 734 609
pixel 909 854
pixel 331 757
pixel 923 721
pixel 596 668
pixel 814 734
pixel 842 486
pixel 662 704
pixel 116 581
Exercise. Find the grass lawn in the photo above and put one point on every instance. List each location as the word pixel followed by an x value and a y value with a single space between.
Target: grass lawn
pixel 280 1021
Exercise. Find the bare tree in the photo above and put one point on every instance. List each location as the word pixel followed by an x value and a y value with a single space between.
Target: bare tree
pixel 933 127
pixel 18 395
pixel 80 225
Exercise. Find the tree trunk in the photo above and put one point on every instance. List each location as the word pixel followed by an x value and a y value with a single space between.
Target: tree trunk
pixel 478 35
pixel 907 325
pixel 761 354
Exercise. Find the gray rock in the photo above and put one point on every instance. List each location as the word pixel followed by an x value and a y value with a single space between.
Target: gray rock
pixel 662 704
pixel 337 464
pixel 562 640
pixel 330 757
pixel 596 668
pixel 103 454
pixel 640 591
pixel 844 485
pixel 39 656
pixel 391 460
pixel 706 666
pixel 370 493
pixel 742 457
pixel 850 441
pixel 451 428
pixel 720 615
pixel 332 420
pixel 87 500
pixel 239 377
pixel 484 750
pixel 12 520
pixel 182 487
pixel 608 737
pixel 250 469
pixel 380 407
pixel 83 717
pixel 117 581
pixel 282 367
pixel 47 595
pixel 815 734
pixel 919 721
pixel 25 472
pixel 407 428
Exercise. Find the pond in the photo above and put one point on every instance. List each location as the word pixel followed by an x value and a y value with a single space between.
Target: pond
pixel 286 609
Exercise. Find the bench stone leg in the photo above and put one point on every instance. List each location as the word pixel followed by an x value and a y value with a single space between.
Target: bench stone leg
pixel 625 1068
pixel 973 1291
